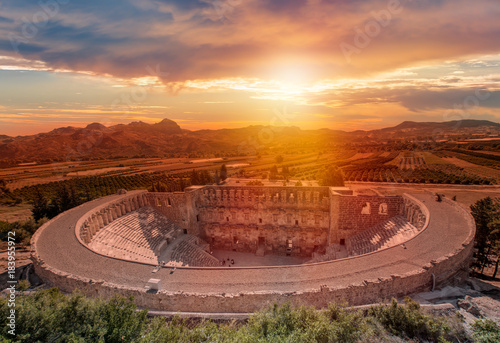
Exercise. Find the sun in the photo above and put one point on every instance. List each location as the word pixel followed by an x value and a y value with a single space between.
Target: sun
pixel 292 75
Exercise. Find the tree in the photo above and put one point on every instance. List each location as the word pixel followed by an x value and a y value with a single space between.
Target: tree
pixel 64 200
pixel 495 238
pixel 273 172
pixel 205 178
pixel 331 177
pixel 223 172
pixel 217 177
pixel 40 204
pixel 195 179
pixel 3 187
pixel 279 159
pixel 285 172
pixel 486 213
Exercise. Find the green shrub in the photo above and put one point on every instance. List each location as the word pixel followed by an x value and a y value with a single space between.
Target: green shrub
pixel 409 321
pixel 23 285
pixel 486 331
pixel 50 316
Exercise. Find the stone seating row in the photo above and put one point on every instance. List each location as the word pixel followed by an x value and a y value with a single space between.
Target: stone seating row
pixel 189 253
pixel 128 252
pixel 389 233
pixel 137 236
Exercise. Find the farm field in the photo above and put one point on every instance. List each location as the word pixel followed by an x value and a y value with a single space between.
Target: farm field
pixel 474 169
pixel 465 195
pixel 431 158
pixel 495 153
pixel 86 180
pixel 477 158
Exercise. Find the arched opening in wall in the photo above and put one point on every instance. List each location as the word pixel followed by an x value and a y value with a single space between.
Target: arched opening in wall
pixel 169 203
pixel 158 202
pixel 296 222
pixel 366 208
pixel 260 220
pixel 197 217
pixel 261 245
pixel 342 241
pixel 382 209
pixel 227 219
pixel 185 231
pixel 235 242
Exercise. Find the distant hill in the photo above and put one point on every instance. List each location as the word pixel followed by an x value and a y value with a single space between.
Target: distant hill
pixel 167 137
pixel 450 125
pixel 411 129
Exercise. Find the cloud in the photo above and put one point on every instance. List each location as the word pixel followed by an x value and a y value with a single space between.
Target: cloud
pixel 202 39
pixel 413 98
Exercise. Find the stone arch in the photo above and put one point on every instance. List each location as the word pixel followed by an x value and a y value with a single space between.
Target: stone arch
pixel 382 209
pixel 366 208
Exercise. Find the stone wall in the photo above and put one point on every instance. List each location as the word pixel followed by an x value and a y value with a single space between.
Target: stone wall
pixel 415 212
pixel 368 291
pixel 279 220
pixel 277 240
pixel 171 205
pixel 294 221
pixel 358 213
pixel 269 197
pixel 92 222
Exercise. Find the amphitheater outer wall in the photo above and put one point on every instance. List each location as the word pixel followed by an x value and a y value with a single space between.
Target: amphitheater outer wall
pixel 367 291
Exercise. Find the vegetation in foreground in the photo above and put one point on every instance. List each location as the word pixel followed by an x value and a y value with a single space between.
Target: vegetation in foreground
pixel 50 316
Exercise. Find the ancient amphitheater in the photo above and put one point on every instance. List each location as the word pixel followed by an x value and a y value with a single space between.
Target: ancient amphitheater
pixel 306 245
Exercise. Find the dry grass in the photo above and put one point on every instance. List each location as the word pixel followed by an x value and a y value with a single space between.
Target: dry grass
pixel 359 156
pixel 430 158
pixel 22 257
pixel 14 213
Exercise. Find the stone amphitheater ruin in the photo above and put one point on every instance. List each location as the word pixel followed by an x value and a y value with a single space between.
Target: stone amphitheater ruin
pixel 306 245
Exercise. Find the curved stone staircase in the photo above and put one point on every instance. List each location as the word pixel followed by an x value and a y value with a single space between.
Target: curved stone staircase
pixel 394 231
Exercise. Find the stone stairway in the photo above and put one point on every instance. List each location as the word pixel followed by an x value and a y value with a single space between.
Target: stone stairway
pixel 392 232
pixel 137 236
pixel 191 251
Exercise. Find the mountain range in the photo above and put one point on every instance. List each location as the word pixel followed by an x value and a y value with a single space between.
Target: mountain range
pixel 168 138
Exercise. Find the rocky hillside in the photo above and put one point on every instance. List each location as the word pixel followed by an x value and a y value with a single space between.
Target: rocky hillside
pixel 166 137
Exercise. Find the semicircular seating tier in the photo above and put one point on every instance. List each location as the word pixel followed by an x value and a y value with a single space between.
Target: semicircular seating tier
pixel 147 236
pixel 137 236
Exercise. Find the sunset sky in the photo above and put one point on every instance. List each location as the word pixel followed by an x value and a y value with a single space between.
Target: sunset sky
pixel 357 64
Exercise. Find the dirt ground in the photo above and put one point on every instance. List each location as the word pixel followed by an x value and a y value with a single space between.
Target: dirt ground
pixel 14 213
pixel 22 256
